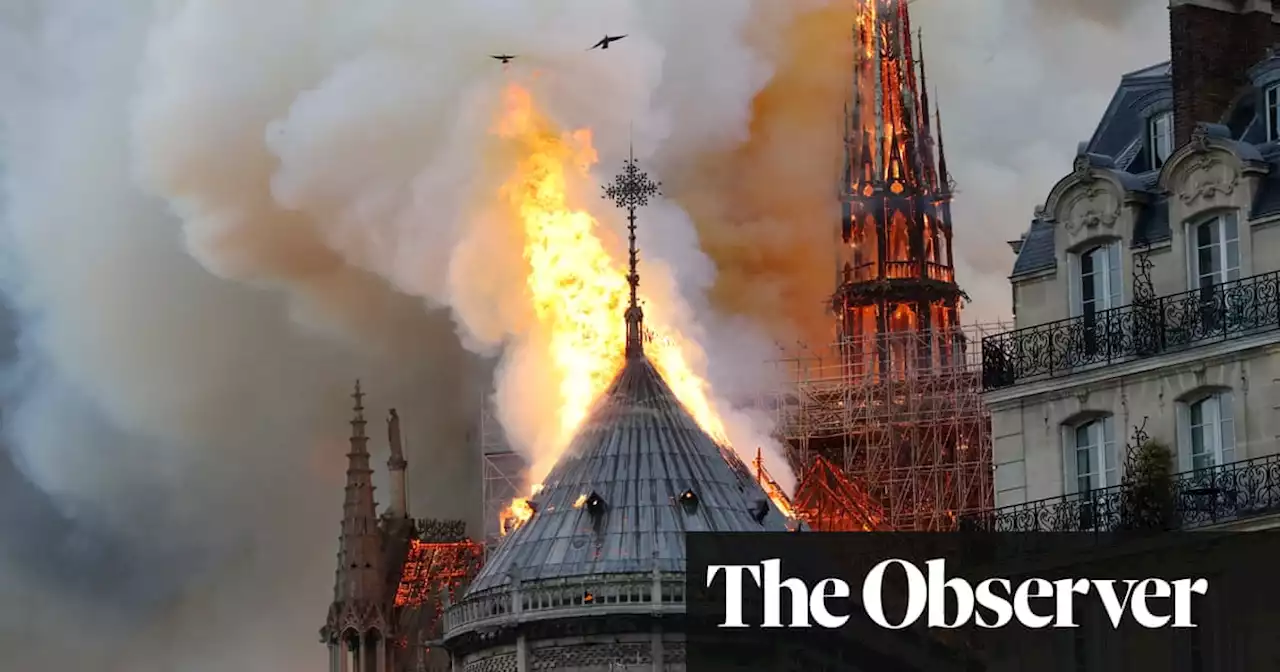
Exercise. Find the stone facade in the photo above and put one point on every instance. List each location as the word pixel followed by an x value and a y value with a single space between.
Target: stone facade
pixel 1182 336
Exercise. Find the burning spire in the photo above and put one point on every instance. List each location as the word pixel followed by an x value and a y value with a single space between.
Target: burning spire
pixel 631 189
pixel 888 134
pixel 897 275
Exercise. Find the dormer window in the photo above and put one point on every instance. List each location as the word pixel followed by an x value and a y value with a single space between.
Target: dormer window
pixel 1271 106
pixel 1160 138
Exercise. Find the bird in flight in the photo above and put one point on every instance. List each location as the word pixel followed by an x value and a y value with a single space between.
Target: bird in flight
pixel 604 43
pixel 503 57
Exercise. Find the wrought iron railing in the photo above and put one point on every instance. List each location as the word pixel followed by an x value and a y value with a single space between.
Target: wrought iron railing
pixel 1199 498
pixel 1144 329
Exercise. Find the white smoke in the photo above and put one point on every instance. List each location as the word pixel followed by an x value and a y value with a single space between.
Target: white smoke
pixel 219 213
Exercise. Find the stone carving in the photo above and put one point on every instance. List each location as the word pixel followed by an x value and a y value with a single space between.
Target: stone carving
pixel 1206 177
pixel 499 663
pixel 1090 208
pixel 1200 138
pixel 1082 169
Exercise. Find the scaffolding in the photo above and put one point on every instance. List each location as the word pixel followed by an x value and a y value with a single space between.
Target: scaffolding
pixel 502 470
pixel 915 440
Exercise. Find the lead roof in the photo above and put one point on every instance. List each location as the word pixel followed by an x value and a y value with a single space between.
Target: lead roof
pixel 1120 136
pixel 638 451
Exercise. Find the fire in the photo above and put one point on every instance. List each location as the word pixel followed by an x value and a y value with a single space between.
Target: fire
pixel 577 288
pixel 515 514
pixel 582 499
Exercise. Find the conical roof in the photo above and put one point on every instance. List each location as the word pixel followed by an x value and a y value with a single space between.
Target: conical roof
pixel 641 473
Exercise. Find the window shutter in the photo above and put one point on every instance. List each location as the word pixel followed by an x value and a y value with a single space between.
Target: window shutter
pixel 1193 256
pixel 1231 247
pixel 1183 434
pixel 1109 456
pixel 1069 481
pixel 1073 285
pixel 1113 276
pixel 1227 427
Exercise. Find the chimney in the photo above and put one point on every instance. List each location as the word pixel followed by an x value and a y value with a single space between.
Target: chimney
pixel 1212 44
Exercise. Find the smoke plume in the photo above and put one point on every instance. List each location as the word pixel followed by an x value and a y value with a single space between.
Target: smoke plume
pixel 217 215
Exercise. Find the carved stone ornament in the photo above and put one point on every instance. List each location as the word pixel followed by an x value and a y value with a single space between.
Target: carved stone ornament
pixel 1200 138
pixel 362 618
pixel 1090 208
pixel 1207 177
pixel 1082 169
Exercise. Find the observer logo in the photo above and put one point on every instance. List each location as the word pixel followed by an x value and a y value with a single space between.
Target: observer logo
pixel 945 601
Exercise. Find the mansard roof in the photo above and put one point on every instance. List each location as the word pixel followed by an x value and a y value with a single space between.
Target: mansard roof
pixel 1120 140
pixel 638 475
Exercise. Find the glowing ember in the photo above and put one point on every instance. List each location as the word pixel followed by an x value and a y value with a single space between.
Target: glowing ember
pixel 578 290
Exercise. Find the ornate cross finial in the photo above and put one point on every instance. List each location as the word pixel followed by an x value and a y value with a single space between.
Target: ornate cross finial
pixel 632 189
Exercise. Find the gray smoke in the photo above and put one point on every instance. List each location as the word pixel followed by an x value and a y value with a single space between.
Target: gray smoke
pixel 1020 84
pixel 1114 14
pixel 176 398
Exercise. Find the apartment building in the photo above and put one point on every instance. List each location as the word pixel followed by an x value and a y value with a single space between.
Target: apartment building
pixel 1147 294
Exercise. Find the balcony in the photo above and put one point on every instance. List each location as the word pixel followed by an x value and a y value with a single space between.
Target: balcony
pixel 1163 324
pixel 900 270
pixel 1205 497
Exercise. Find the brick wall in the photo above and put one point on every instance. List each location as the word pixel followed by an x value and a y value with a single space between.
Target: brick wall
pixel 1212 51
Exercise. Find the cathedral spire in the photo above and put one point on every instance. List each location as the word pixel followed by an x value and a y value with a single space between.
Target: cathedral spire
pixel 360 540
pixel 944 178
pixel 358 599
pixel 896 272
pixel 927 162
pixel 631 189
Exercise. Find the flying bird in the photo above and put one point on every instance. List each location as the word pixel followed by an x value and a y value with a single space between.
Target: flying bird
pixel 604 44
pixel 503 57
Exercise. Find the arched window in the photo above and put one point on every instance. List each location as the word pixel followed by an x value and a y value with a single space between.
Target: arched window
pixel 1160 138
pixel 899 238
pixel 1206 430
pixel 1089 455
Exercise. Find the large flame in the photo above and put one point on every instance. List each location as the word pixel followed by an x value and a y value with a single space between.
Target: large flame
pixel 578 289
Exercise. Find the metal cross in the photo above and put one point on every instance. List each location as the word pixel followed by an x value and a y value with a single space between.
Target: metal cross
pixel 632 189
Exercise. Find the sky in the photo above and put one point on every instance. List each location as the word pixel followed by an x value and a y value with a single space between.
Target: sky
pixel 217 215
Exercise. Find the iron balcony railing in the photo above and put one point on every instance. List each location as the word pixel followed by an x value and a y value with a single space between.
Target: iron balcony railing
pixel 1142 329
pixel 1199 498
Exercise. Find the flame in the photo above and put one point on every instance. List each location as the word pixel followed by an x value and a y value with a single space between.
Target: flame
pixel 771 487
pixel 515 515
pixel 577 288
pixel 582 499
